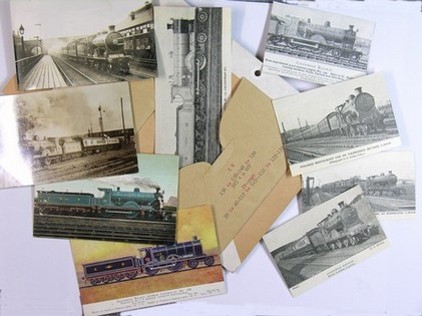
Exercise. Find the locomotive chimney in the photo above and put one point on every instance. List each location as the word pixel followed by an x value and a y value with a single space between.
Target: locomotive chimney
pixel 358 90
pixel 341 204
pixel 118 189
pixel 111 28
pixel 351 27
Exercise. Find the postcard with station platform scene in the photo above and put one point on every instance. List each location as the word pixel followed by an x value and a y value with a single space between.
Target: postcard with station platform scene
pixel 326 240
pixel 387 180
pixel 316 46
pixel 66 134
pixel 139 207
pixel 194 81
pixel 117 277
pixel 330 125
pixel 60 43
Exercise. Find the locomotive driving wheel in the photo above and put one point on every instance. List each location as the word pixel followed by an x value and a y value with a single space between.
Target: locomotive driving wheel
pixel 177 264
pixel 151 271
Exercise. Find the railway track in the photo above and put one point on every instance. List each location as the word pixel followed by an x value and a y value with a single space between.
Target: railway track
pixel 134 231
pixel 317 56
pixel 77 74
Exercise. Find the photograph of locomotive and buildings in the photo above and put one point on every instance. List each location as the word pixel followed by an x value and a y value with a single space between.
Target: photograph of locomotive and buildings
pixel 311 34
pixel 313 246
pixel 62 43
pixel 139 207
pixel 387 180
pixel 336 123
pixel 68 134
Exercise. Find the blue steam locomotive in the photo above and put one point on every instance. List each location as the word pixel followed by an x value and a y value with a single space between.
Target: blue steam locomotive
pixel 151 260
pixel 112 203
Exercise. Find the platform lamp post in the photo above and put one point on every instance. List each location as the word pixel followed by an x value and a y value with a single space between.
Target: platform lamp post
pixel 21 32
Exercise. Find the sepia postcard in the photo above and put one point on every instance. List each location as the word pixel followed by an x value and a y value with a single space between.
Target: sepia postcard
pixel 66 134
pixel 387 180
pixel 117 277
pixel 139 207
pixel 316 46
pixel 194 82
pixel 326 240
pixel 337 123
pixel 59 43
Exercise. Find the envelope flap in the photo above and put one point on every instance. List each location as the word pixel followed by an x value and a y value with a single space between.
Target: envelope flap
pixel 192 191
pixel 249 112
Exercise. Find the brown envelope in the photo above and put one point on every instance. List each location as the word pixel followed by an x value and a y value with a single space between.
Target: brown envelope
pixel 248 185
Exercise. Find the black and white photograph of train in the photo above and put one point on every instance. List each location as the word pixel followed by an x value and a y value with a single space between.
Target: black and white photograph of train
pixel 387 180
pixel 333 124
pixel 139 207
pixel 59 44
pixel 329 238
pixel 68 134
pixel 193 46
pixel 316 46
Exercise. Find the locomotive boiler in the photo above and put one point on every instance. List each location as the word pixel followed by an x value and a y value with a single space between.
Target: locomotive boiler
pixel 305 35
pixel 151 260
pixel 112 203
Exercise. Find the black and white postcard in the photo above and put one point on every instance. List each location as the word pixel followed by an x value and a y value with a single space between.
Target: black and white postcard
pixel 139 207
pixel 66 134
pixel 337 123
pixel 387 180
pixel 328 239
pixel 60 43
pixel 194 82
pixel 316 46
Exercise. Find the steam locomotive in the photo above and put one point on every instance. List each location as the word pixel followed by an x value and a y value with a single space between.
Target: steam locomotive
pixel 150 262
pixel 128 49
pixel 116 204
pixel 357 116
pixel 44 152
pixel 325 39
pixel 341 228
pixel 382 184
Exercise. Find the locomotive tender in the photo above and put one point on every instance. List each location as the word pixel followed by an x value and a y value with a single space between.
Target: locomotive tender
pixel 129 49
pixel 358 115
pixel 341 228
pixel 151 260
pixel 119 204
pixel 304 35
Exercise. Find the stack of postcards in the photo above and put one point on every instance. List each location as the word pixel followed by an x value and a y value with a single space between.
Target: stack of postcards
pixel 153 145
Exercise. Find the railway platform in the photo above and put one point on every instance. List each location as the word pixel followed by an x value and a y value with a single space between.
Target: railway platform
pixel 43 75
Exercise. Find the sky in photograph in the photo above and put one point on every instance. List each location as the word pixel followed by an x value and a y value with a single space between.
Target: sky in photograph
pixel 72 111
